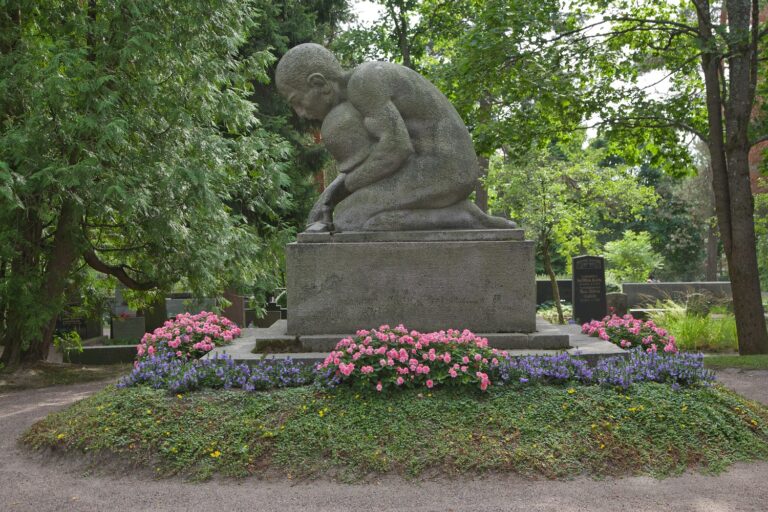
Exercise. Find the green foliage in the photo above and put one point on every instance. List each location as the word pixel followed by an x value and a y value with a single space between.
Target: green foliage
pixel 631 259
pixel 695 332
pixel 67 342
pixel 397 36
pixel 283 25
pixel 555 431
pixel 679 222
pixel 128 136
pixel 548 311
pixel 566 197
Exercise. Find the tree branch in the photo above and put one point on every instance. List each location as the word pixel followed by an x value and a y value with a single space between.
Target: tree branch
pixel 650 122
pixel 647 21
pixel 117 271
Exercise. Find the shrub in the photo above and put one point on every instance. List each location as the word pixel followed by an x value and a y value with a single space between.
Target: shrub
pixel 548 311
pixel 632 258
pixel 629 332
pixel 188 336
pixel 66 342
pixel 166 371
pixel 697 332
pixel 386 358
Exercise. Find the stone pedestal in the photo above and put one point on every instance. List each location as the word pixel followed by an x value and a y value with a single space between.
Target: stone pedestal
pixel 482 280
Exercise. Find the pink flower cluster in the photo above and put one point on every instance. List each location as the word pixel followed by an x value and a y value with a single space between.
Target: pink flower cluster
pixel 629 332
pixel 396 358
pixel 189 335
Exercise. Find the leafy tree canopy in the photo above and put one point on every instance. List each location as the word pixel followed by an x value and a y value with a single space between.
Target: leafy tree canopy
pixel 129 144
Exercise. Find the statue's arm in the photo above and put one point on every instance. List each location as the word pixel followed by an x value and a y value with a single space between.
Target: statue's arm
pixel 385 123
pixel 321 216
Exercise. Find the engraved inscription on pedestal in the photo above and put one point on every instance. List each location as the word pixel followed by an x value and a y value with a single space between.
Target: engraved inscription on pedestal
pixel 482 285
pixel 589 301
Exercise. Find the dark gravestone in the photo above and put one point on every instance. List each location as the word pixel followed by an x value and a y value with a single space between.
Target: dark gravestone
pixel 589 302
pixel 155 315
pixel 544 290
pixel 617 303
pixel 236 310
pixel 85 326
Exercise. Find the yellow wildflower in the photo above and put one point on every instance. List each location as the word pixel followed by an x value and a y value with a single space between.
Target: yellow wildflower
pixel 216 454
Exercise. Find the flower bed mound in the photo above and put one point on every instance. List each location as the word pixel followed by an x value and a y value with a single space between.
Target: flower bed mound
pixel 550 430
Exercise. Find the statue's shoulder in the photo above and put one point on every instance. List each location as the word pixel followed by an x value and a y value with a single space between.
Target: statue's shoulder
pixel 374 72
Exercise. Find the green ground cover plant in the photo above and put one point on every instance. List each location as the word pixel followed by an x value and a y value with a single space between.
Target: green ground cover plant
pixel 410 403
pixel 551 430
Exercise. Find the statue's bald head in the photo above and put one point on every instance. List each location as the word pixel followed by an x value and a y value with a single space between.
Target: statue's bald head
pixel 303 60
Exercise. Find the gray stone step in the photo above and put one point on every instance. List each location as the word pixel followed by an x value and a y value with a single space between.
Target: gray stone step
pixel 548 339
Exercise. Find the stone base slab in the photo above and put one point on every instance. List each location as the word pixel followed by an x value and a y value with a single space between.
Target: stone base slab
pixel 457 235
pixel 484 283
pixel 501 341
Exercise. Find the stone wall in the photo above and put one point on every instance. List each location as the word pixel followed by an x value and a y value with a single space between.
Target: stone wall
pixel 645 294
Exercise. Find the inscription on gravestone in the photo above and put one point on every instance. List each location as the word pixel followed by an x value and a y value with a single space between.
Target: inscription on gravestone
pixel 589 301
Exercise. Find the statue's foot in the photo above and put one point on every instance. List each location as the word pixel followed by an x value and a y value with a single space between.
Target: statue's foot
pixel 319 227
pixel 491 222
pixel 462 215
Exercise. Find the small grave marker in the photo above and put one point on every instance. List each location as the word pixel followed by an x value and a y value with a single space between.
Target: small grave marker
pixel 589 301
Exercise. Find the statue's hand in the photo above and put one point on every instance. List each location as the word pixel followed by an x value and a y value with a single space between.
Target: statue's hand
pixel 320 219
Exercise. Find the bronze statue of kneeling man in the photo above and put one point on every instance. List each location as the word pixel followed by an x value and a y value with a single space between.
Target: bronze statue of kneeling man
pixel 405 157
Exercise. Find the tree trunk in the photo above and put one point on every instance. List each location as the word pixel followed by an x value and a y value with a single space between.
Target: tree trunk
pixel 742 256
pixel 552 277
pixel 730 166
pixel 3 305
pixel 13 337
pixel 481 193
pixel 742 260
pixel 713 253
pixel 63 256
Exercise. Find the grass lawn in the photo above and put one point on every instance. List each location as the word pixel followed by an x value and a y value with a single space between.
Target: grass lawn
pixel 735 361
pixel 550 430
pixel 43 374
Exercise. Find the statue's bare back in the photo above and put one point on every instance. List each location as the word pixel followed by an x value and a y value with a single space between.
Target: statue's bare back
pixel 405 158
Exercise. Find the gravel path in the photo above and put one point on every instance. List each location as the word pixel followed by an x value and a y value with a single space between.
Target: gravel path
pixel 28 483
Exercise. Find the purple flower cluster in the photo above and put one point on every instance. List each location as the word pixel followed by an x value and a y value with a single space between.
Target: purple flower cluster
pixel 678 369
pixel 165 371
pixel 557 368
